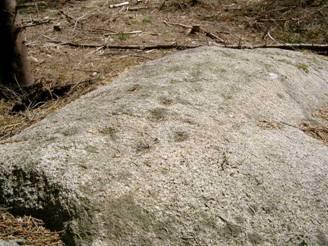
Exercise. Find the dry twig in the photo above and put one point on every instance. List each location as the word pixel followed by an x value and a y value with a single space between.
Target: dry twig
pixel 26 230
pixel 173 45
pixel 32 4
pixel 197 28
pixel 118 5
pixel 36 23
pixel 321 48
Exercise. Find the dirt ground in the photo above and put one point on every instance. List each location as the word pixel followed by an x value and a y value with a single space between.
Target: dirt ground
pixel 58 35
pixel 81 43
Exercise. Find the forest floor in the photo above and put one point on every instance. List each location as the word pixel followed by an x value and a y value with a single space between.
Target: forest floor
pixel 76 46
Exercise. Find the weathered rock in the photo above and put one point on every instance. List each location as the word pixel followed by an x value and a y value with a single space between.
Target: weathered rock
pixel 8 243
pixel 200 147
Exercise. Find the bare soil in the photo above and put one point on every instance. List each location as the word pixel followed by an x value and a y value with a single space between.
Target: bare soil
pixel 50 29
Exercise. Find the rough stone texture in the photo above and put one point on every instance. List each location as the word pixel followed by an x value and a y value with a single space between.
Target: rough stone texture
pixel 198 148
pixel 8 243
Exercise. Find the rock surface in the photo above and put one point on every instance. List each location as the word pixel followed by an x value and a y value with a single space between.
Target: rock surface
pixel 8 243
pixel 198 148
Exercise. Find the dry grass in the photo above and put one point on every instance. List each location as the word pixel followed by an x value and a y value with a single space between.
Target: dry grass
pixel 290 21
pixel 322 113
pixel 26 231
pixel 319 128
pixel 13 122
pixel 319 132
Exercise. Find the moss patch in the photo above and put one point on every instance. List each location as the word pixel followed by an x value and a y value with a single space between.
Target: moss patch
pixel 303 67
pixel 126 219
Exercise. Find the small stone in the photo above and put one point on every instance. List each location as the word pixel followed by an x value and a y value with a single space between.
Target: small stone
pixel 57 27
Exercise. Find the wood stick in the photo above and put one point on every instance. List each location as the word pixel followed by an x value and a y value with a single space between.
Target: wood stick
pixel 36 23
pixel 213 36
pixel 287 46
pixel 128 33
pixel 136 8
pixel 173 45
pixel 300 46
pixel 29 5
pixel 193 28
pixel 119 5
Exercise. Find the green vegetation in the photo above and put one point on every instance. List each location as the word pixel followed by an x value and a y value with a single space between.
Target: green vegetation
pixel 303 67
pixel 147 19
pixel 122 36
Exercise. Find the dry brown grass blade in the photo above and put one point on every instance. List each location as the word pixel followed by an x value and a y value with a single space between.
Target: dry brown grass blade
pixel 26 230
pixel 318 129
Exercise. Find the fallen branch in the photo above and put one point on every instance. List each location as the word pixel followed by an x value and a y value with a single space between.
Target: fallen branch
pixel 173 45
pixel 213 36
pixel 177 24
pixel 119 5
pixel 313 47
pixel 36 23
pixel 127 33
pixel 321 48
pixel 29 5
pixel 69 18
pixel 198 28
pixel 136 8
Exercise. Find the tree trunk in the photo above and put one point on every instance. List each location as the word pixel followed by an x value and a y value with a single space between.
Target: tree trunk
pixel 14 67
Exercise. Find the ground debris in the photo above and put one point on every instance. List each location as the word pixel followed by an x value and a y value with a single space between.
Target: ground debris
pixel 26 231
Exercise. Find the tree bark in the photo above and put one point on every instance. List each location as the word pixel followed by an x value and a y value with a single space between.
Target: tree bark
pixel 14 67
